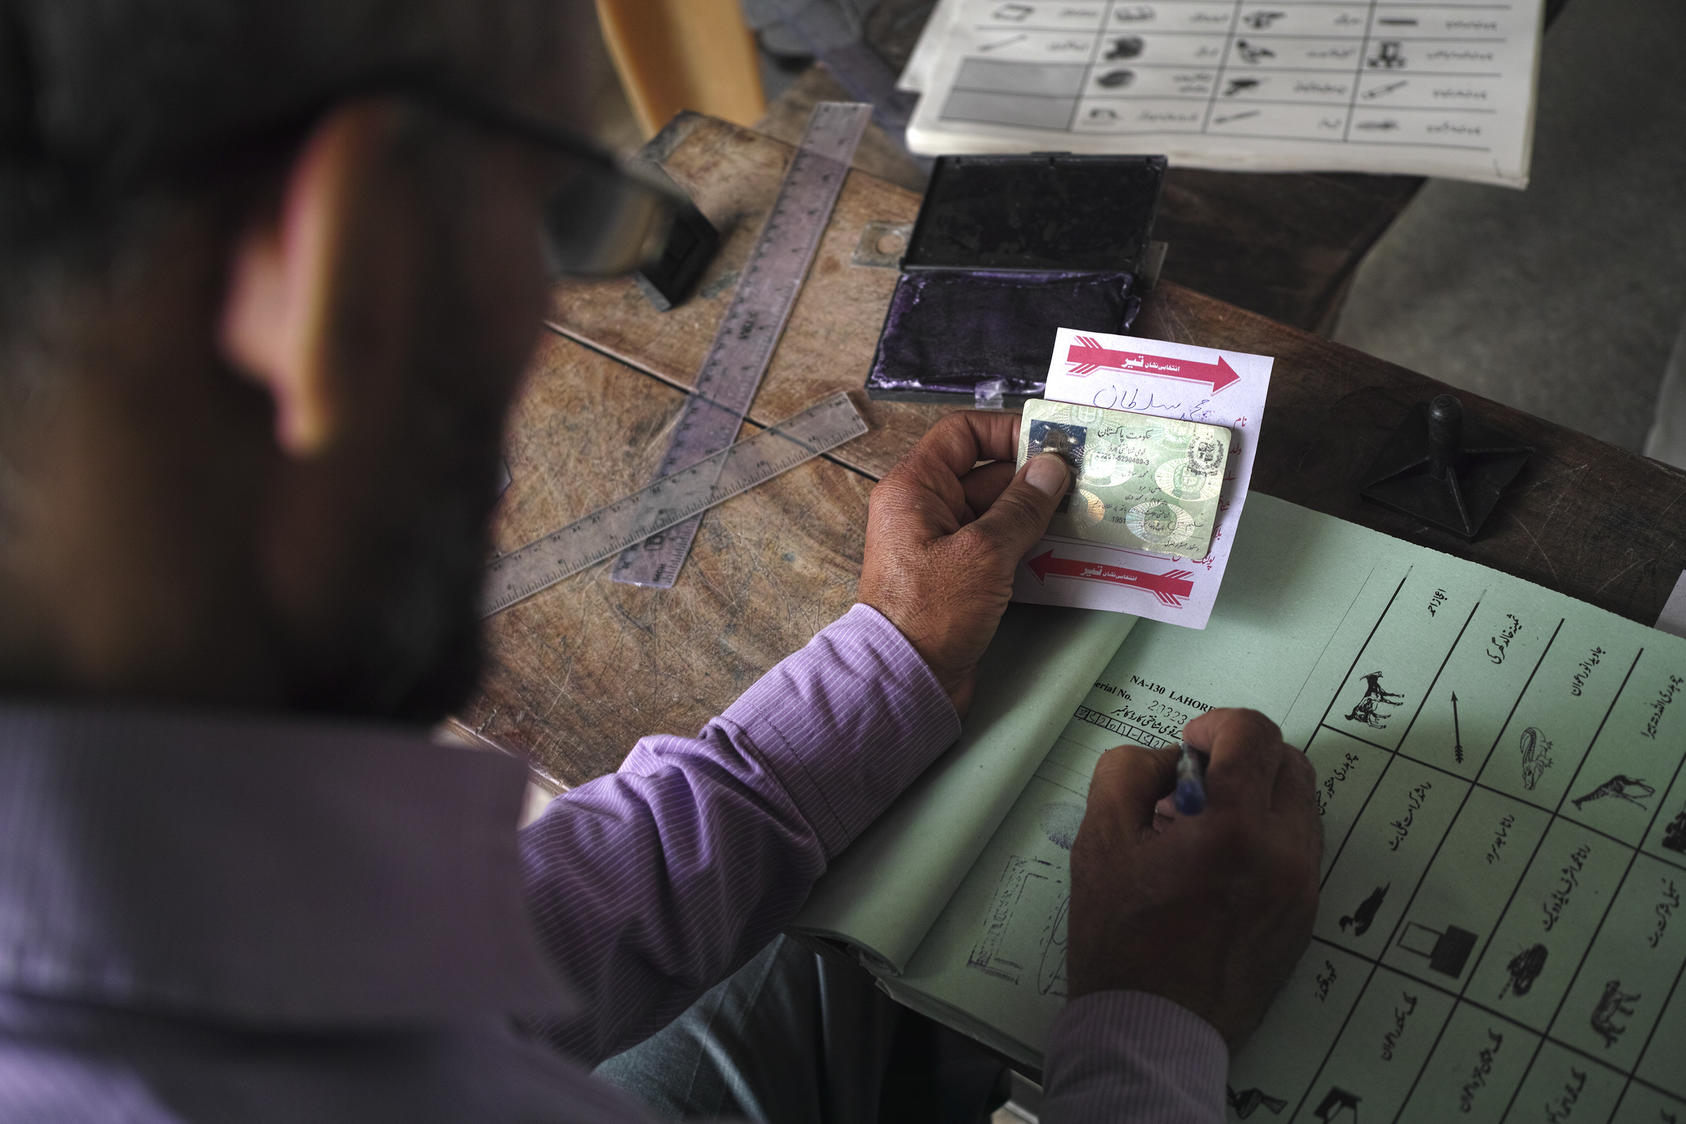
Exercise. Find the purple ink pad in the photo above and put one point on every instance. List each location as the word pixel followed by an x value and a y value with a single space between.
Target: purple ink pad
pixel 947 332
pixel 1006 250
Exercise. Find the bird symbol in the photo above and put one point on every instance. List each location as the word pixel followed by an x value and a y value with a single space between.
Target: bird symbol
pixel 1359 919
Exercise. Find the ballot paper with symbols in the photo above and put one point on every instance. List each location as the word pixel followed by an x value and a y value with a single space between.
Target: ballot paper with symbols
pixel 1159 380
pixel 1444 88
pixel 1501 787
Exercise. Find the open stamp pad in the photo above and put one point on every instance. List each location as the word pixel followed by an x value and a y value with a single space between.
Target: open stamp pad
pixel 1006 250
pixel 1141 481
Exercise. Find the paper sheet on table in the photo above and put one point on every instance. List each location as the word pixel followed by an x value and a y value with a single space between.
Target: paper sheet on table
pixel 929 47
pixel 884 892
pixel 1673 617
pixel 1173 380
pixel 1444 90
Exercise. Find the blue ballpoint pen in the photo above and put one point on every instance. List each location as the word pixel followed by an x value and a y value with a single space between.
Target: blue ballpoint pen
pixel 1190 798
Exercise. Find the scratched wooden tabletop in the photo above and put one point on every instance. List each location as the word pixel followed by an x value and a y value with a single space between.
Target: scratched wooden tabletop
pixel 575 675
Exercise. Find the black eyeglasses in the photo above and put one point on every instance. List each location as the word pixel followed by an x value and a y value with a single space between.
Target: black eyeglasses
pixel 603 218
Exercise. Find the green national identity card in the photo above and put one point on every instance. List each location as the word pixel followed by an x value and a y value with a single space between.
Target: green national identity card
pixel 1141 481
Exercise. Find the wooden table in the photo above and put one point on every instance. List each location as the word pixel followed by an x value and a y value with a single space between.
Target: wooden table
pixel 577 674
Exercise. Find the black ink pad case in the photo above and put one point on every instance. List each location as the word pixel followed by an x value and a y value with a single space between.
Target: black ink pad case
pixel 1006 250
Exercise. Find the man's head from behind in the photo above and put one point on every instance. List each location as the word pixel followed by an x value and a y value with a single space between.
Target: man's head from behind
pixel 263 310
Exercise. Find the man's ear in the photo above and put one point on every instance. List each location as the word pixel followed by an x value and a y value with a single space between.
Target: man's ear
pixel 318 300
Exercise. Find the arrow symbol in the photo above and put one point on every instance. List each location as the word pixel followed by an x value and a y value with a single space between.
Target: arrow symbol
pixel 1170 587
pixel 1457 738
pixel 1087 356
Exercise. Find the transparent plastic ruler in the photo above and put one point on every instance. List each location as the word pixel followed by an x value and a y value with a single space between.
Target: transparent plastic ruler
pixel 743 346
pixel 672 499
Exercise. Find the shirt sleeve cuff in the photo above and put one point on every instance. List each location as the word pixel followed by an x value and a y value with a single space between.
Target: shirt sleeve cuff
pixel 1116 1055
pixel 847 723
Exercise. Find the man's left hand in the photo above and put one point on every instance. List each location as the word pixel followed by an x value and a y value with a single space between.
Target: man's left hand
pixel 944 534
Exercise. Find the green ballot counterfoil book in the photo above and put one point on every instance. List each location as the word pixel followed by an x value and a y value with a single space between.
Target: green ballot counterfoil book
pixel 1500 932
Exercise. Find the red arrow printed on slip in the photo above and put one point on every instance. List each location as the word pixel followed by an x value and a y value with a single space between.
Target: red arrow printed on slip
pixel 1087 356
pixel 1170 587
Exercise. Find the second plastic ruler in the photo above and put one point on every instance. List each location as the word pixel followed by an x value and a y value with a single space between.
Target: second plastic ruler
pixel 672 499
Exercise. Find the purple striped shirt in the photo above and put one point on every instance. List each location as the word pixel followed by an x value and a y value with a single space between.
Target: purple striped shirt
pixel 233 918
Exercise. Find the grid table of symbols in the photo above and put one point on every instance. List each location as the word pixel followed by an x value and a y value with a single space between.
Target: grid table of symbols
pixel 1399 74
pixel 1500 924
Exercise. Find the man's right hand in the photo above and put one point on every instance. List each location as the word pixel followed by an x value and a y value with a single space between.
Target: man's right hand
pixel 945 530
pixel 1212 911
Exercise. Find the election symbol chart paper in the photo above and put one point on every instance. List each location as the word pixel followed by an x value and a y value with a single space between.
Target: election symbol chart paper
pixel 1443 89
pixel 1176 382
